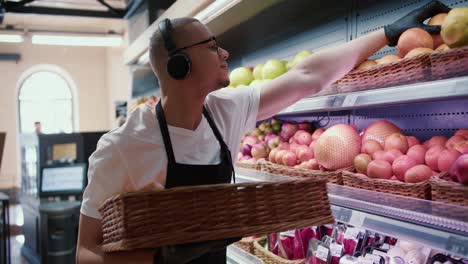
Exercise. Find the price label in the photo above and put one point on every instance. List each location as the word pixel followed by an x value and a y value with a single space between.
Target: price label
pixel 336 249
pixel 322 253
pixel 350 100
pixel 345 215
pixel 357 218
pixel 457 245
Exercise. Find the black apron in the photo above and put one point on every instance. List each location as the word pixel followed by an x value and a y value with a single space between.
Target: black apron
pixel 190 175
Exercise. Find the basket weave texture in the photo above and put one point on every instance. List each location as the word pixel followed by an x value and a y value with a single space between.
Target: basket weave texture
pixel 447 191
pixel 246 244
pixel 270 258
pixel 404 71
pixel 246 165
pixel 449 63
pixel 421 190
pixel 334 177
pixel 149 219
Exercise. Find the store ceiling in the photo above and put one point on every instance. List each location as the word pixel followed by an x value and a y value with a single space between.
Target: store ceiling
pixel 55 15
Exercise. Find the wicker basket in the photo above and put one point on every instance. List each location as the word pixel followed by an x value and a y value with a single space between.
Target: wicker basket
pixel 447 191
pixel 404 71
pixel 247 244
pixel 149 219
pixel 270 258
pixel 247 165
pixel 449 63
pixel 334 177
pixel 421 190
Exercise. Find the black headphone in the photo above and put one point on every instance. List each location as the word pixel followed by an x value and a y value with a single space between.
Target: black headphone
pixel 178 64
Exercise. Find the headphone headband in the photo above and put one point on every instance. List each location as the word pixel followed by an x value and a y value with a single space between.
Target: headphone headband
pixel 165 27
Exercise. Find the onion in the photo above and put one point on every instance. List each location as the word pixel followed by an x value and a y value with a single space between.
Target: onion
pixel 293 147
pixel 260 150
pixel 287 131
pixel 396 141
pixel 239 156
pixel 268 137
pixel 284 145
pixel 313 164
pixel 303 137
pixel 246 149
pixel 442 47
pixel 401 165
pixel 418 51
pixel 462 147
pixel 337 147
pixel 279 156
pixel 418 173
pixel 251 140
pixel 378 155
pixel 417 153
pixel 380 130
pixel 454 140
pixel 368 64
pixel 388 59
pixel 312 145
pixel 272 155
pixel 304 126
pixel 304 153
pixel 361 162
pixel 432 156
pixel 392 155
pixel 460 169
pixel 274 142
pixel 436 140
pixel 462 132
pixel 370 146
pixel 317 133
pixel 380 169
pixel 447 158
pixel 412 140
pixel 289 159
pixel 414 38
pixel 245 158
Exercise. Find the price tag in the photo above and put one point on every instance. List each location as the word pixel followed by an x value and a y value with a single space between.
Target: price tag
pixel 344 215
pixel 322 253
pixel 357 218
pixel 350 100
pixel 336 249
pixel 374 258
pixel 362 260
pixel 457 245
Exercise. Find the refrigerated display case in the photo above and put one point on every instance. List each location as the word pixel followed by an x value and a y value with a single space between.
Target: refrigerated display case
pixel 280 29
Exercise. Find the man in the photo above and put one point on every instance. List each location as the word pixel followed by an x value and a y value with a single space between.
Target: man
pixel 192 135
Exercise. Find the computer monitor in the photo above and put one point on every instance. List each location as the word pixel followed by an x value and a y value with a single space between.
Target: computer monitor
pixel 63 180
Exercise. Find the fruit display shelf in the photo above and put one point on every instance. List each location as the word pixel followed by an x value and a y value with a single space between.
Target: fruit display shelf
pixel 438 225
pixel 426 91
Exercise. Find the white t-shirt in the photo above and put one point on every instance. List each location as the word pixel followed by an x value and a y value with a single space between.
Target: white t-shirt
pixel 133 157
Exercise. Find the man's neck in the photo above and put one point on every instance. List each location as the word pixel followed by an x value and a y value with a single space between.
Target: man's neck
pixel 183 111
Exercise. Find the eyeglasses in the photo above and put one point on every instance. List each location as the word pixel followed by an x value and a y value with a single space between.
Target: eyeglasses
pixel 212 38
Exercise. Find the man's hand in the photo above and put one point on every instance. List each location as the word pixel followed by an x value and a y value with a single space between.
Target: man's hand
pixel 415 19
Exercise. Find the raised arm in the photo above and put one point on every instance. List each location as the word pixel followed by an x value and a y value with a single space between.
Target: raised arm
pixel 318 71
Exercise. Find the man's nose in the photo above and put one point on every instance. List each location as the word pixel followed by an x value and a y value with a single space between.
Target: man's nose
pixel 223 53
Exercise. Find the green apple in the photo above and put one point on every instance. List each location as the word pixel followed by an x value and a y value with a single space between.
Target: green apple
pixel 257 72
pixel 299 57
pixel 240 76
pixel 272 69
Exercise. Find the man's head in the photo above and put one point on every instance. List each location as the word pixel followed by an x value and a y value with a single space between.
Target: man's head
pixel 208 69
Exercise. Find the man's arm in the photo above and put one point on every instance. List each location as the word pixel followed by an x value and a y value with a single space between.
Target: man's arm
pixel 317 72
pixel 88 249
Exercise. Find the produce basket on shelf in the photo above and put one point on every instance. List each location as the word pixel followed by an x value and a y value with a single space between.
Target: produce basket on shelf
pixel 447 191
pixel 247 244
pixel 404 71
pixel 421 190
pixel 248 165
pixel 149 219
pixel 270 258
pixel 334 177
pixel 449 63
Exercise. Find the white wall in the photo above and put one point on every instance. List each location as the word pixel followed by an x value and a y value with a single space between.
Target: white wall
pixel 100 78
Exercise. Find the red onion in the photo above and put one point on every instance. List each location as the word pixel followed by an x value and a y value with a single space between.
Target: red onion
pixel 260 150
pixel 460 169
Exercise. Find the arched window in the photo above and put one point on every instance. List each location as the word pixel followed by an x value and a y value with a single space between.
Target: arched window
pixel 46 97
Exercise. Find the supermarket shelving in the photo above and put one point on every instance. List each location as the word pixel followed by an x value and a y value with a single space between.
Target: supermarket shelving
pixel 434 224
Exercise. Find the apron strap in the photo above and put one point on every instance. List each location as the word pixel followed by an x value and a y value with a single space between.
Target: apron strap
pixel 224 148
pixel 165 133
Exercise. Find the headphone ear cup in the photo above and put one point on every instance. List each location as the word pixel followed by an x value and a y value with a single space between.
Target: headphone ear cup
pixel 179 66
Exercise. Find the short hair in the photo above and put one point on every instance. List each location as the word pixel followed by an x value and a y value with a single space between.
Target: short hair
pixel 157 49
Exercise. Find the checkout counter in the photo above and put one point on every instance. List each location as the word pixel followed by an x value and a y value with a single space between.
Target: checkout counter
pixel 54 176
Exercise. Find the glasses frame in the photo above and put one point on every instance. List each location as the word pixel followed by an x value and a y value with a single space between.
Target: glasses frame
pixel 212 38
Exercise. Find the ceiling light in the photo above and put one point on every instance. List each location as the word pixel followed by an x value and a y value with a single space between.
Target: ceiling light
pixel 77 40
pixel 11 38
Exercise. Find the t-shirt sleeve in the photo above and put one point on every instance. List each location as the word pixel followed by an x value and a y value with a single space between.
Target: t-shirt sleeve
pixel 235 112
pixel 106 177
